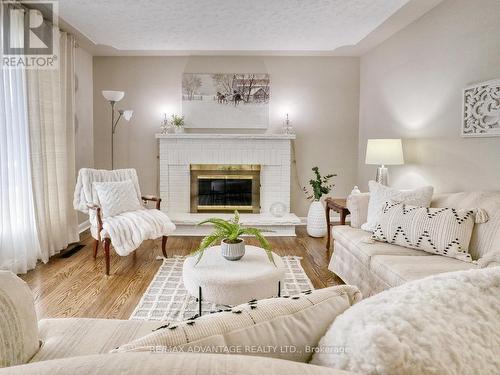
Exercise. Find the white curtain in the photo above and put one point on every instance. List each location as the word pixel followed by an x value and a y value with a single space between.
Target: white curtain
pixel 19 245
pixel 51 117
pixel 37 159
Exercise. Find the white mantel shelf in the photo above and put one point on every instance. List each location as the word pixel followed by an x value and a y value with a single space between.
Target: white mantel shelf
pixel 224 136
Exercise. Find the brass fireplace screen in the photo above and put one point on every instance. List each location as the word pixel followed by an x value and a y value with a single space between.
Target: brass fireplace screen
pixel 225 187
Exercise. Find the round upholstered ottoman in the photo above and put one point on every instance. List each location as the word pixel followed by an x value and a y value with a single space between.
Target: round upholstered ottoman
pixel 233 282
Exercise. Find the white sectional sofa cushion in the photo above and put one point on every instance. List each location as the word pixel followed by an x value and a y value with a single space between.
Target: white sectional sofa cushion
pixel 366 248
pixel 277 323
pixel 169 364
pixel 446 324
pixel 70 337
pixel 395 270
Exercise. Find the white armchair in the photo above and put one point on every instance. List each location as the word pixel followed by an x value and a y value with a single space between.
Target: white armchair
pixel 126 230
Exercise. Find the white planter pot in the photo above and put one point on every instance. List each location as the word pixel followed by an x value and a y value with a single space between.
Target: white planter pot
pixel 316 220
pixel 178 129
pixel 232 251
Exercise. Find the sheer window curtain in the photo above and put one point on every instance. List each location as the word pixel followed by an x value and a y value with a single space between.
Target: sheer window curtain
pixel 19 244
pixel 51 96
pixel 37 160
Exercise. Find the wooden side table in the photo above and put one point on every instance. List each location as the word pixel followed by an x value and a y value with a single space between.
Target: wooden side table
pixel 337 205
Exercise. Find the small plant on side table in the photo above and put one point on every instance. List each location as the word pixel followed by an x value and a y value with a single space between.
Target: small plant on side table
pixel 229 233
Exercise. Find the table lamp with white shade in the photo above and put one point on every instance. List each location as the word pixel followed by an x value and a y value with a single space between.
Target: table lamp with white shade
pixel 113 97
pixel 384 152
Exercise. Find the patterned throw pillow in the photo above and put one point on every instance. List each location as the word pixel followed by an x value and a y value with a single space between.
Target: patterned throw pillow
pixel 117 197
pixel 286 328
pixel 443 231
pixel 379 194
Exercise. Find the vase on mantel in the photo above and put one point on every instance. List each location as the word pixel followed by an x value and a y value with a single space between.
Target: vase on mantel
pixel 316 220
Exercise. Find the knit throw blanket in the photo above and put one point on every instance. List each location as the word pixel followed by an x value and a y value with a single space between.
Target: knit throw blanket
pixel 128 230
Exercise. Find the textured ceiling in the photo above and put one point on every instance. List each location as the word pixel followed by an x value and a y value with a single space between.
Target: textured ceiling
pixel 227 25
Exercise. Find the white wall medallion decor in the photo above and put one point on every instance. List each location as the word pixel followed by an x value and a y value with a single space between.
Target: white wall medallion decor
pixel 221 101
pixel 481 110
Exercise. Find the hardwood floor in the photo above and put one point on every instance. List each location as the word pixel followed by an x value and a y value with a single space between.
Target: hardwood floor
pixel 77 287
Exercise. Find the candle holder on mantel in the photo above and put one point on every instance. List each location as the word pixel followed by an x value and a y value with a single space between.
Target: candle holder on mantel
pixel 164 125
pixel 287 126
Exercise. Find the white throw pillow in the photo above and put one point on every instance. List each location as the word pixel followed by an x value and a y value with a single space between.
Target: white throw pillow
pixel 442 231
pixel 18 324
pixel 286 328
pixel 447 324
pixel 380 194
pixel 117 197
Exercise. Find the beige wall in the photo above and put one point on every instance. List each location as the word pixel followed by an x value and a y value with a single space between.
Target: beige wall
pixel 320 93
pixel 84 137
pixel 411 87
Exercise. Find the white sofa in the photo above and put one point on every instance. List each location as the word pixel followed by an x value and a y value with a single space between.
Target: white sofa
pixel 169 364
pixel 376 266
pixel 82 346
pixel 79 346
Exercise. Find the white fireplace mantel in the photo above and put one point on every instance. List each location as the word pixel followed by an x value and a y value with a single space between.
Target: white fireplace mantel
pixel 271 151
pixel 224 136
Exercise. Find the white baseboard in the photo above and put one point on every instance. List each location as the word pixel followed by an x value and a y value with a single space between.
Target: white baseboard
pixel 303 221
pixel 82 227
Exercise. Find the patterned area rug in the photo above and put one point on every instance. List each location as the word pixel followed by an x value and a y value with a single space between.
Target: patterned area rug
pixel 167 299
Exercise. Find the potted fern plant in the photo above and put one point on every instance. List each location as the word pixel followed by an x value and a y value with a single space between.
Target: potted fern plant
pixel 178 123
pixel 316 218
pixel 229 233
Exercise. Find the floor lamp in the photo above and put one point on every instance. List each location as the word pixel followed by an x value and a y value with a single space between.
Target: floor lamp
pixel 113 97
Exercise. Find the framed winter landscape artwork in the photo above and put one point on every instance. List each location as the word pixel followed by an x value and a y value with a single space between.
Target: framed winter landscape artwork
pixel 236 101
pixel 481 110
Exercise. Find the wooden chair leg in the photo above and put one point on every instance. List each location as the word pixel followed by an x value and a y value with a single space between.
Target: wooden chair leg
pixel 163 245
pixel 96 247
pixel 107 243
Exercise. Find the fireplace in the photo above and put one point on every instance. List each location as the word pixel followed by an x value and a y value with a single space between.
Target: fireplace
pixel 225 187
